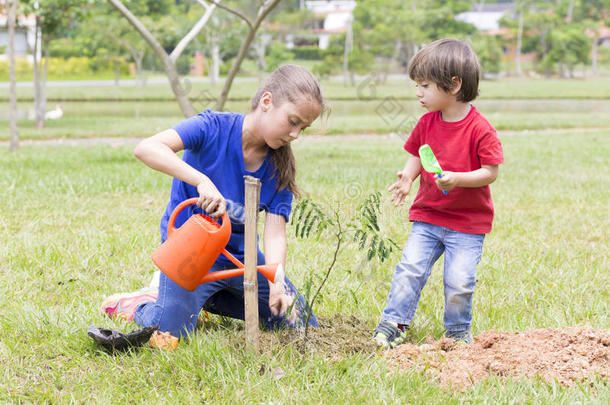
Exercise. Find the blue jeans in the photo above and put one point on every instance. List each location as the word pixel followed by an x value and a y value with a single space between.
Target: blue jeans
pixel 425 245
pixel 177 309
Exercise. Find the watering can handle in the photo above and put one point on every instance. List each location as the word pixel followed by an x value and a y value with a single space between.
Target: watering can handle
pixel 172 219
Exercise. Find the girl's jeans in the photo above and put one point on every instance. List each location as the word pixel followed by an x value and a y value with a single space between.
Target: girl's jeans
pixel 177 309
pixel 426 244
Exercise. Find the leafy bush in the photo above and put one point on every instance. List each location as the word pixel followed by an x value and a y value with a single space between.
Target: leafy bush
pixel 489 51
pixel 570 46
pixel 23 69
pixel 65 48
pixel 60 67
pixel 183 64
pixel 309 52
pixel 277 53
pixel 68 67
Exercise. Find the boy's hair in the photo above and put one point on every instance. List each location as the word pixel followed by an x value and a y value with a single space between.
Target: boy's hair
pixel 295 84
pixel 444 59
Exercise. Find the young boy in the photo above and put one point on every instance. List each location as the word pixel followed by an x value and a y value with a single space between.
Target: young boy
pixel 455 223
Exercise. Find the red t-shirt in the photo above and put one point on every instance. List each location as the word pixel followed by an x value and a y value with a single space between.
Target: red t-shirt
pixel 461 146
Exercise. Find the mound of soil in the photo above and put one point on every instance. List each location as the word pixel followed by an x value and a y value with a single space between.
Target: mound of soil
pixel 567 355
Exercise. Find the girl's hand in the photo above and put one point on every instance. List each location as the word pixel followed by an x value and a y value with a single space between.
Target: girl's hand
pixel 210 199
pixel 448 181
pixel 279 301
pixel 400 189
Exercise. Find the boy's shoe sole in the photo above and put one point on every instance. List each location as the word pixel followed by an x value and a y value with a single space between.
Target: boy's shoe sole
pixel 124 305
pixel 387 334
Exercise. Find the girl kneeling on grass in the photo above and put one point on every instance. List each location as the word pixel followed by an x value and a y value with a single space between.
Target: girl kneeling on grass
pixel 219 149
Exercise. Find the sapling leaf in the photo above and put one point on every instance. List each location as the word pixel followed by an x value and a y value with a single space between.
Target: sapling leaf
pixel 372 250
pixel 362 241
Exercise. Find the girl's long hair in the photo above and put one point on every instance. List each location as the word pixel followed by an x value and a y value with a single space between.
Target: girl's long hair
pixel 295 84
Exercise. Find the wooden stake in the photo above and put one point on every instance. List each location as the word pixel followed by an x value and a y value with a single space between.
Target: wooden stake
pixel 252 187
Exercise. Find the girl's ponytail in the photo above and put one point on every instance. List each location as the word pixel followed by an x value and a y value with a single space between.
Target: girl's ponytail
pixel 286 169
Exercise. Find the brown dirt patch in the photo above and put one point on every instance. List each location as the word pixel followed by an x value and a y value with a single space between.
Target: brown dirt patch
pixel 567 355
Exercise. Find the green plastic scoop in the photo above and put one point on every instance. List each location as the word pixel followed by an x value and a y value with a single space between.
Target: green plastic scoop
pixel 429 162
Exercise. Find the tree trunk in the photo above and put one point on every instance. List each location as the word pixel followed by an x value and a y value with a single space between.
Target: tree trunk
pixel 519 40
pixel 193 32
pixel 346 50
pixel 570 11
pixel 139 73
pixel 117 72
pixel 259 47
pixel 594 54
pixel 38 111
pixel 215 70
pixel 222 99
pixel 43 87
pixel 14 132
pixel 168 61
pixel 262 13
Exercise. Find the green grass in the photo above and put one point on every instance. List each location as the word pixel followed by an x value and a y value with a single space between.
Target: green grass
pixel 366 87
pixel 79 223
pixel 141 118
pixel 368 107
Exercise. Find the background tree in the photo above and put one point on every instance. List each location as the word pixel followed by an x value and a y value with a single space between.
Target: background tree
pixel 593 15
pixel 222 39
pixel 569 46
pixel 556 32
pixel 124 42
pixel 262 12
pixel 54 19
pixel 168 59
pixel 392 32
pixel 11 8
pixel 489 50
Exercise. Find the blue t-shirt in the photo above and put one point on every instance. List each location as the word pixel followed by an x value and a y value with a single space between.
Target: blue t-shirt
pixel 213 145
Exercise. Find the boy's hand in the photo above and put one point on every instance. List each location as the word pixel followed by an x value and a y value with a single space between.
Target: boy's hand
pixel 210 199
pixel 400 189
pixel 448 181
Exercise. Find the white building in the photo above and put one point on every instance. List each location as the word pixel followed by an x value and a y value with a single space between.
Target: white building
pixel 25 36
pixel 334 18
pixel 486 17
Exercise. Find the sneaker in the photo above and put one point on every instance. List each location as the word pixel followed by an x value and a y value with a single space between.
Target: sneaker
pixel 460 336
pixel 124 305
pixel 388 334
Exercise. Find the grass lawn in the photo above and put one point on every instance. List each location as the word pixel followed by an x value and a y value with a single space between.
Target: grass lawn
pixel 79 223
pixel 365 87
pixel 144 118
pixel 368 107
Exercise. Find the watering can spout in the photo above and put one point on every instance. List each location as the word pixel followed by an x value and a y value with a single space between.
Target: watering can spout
pixel 273 272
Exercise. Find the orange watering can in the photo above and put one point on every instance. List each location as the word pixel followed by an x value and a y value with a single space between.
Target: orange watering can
pixel 189 252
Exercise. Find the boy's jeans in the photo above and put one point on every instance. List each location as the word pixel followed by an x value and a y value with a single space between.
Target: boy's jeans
pixel 425 245
pixel 177 309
